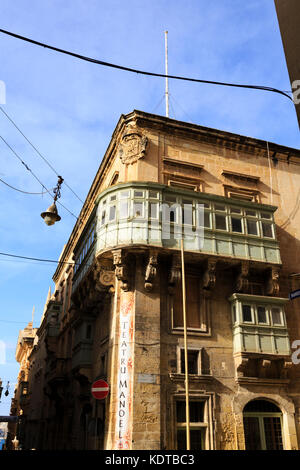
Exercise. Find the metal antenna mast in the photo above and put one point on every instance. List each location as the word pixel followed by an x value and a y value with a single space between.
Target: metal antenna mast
pixel 166 73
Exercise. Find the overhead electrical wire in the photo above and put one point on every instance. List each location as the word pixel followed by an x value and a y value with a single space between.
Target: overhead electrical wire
pixel 29 258
pixel 142 72
pixel 20 190
pixel 34 175
pixel 37 151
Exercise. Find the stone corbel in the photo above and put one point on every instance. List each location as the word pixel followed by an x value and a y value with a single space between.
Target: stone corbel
pixel 273 281
pixel 242 281
pixel 241 366
pixel 265 368
pixel 151 270
pixel 175 273
pixel 209 276
pixel 104 277
pixel 287 365
pixel 121 270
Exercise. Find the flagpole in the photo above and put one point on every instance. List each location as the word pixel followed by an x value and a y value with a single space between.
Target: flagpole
pixel 187 408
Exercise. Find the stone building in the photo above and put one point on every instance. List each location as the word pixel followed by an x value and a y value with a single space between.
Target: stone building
pixel 116 312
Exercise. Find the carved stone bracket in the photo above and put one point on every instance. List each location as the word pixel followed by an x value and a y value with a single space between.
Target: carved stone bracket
pixel 121 270
pixel 151 270
pixel 104 277
pixel 209 276
pixel 241 366
pixel 287 365
pixel 175 273
pixel 242 282
pixel 132 146
pixel 273 281
pixel 265 368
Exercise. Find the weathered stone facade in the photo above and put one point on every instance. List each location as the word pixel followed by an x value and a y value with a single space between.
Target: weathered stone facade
pixel 116 312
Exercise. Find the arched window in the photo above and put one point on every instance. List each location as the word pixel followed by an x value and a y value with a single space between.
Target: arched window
pixel 262 426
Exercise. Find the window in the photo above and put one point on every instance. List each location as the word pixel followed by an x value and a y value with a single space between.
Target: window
pixel 261 315
pixel 276 316
pixel 193 305
pixel 198 427
pixel 138 209
pixel 193 361
pixel 247 313
pixel 262 426
pixel 267 229
pixel 236 224
pixel 221 222
pixel 112 213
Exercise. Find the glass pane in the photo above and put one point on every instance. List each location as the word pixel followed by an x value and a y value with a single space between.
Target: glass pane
pixel 113 198
pixel 196 411
pixel 187 214
pixel 192 362
pixel 261 315
pixel 235 210
pixel 276 316
pixel 207 222
pixel 112 212
pixel 137 209
pixel 251 227
pixel 234 314
pixel 220 207
pixel 123 213
pixel 153 210
pixel 103 217
pixel 220 222
pixel 170 198
pixel 247 315
pixel 124 194
pixel 138 193
pixel 153 194
pixel 266 215
pixel 267 229
pixel 236 225
pixel 196 439
pixel 251 212
pixel 252 433
pixel 273 433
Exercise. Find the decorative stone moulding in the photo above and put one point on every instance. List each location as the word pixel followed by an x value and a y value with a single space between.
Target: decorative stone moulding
pixel 132 146
pixel 151 270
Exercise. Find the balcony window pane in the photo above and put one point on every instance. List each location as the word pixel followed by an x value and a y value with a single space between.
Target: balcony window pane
pixel 234 314
pixel 251 227
pixel 235 210
pixel 170 198
pixel 103 217
pixel 207 222
pixel 276 316
pixel 187 213
pixel 123 210
pixel 153 194
pixel 153 210
pixel 267 230
pixel 247 314
pixel 261 315
pixel 220 207
pixel 112 213
pixel 251 213
pixel 220 222
pixel 113 198
pixel 236 225
pixel 138 209
pixel 124 194
pixel 265 215
pixel 138 193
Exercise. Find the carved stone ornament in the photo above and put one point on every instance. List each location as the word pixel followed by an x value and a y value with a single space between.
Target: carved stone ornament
pixel 121 270
pixel 132 146
pixel 242 282
pixel 241 366
pixel 273 281
pixel 151 271
pixel 209 277
pixel 104 276
pixel 175 273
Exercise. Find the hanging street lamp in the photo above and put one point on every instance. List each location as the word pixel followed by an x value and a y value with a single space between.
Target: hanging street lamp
pixel 51 216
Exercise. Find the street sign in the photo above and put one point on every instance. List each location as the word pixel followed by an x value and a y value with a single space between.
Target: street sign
pixel 294 294
pixel 100 389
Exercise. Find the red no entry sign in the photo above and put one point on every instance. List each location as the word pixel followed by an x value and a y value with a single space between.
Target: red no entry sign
pixel 100 389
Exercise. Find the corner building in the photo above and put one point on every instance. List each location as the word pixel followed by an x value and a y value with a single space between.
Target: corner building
pixel 116 313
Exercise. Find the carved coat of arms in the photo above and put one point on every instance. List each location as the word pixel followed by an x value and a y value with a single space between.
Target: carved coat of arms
pixel 132 147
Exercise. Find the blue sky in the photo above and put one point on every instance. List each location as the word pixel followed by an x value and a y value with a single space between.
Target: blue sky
pixel 69 108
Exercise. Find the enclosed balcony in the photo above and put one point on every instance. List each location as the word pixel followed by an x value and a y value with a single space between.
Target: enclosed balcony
pixel 135 214
pixel 261 344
